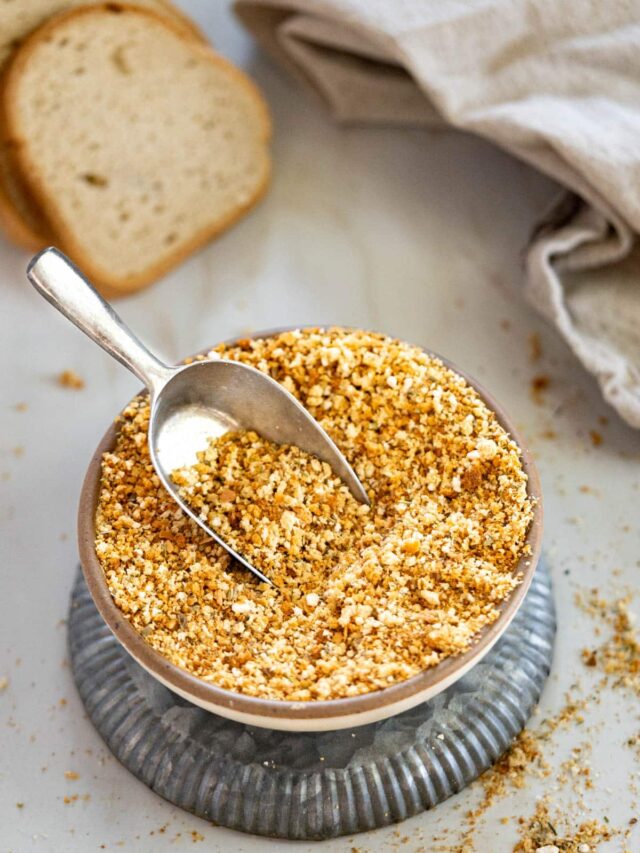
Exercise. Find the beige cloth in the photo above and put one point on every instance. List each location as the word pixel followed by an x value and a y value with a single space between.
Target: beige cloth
pixel 554 82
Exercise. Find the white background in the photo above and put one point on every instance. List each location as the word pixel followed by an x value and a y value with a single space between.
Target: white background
pixel 412 233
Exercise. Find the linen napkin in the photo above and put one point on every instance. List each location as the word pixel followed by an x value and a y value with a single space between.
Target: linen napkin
pixel 554 82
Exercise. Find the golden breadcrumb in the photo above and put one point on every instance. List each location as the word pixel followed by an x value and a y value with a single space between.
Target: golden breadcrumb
pixel 366 597
pixel 70 379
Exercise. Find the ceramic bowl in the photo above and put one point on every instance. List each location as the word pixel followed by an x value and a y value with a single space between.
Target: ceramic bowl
pixel 313 715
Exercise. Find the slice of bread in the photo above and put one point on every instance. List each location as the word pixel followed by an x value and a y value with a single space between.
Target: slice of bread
pixel 20 17
pixel 137 143
pixel 20 219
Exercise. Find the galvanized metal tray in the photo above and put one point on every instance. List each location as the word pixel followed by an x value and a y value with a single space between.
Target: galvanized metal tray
pixel 312 785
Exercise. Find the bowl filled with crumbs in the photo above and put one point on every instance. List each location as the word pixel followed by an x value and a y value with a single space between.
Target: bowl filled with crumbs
pixel 373 608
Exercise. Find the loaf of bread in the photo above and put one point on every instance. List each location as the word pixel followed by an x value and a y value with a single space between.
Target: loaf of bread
pixel 127 142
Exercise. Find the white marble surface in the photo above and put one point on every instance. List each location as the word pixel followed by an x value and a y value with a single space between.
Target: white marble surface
pixel 415 234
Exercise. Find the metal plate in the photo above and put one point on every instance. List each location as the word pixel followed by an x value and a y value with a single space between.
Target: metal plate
pixel 312 785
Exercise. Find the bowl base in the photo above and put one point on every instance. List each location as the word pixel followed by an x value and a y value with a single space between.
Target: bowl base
pixel 312 785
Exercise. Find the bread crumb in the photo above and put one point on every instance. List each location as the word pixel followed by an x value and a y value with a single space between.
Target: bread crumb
pixel 535 347
pixel 70 774
pixel 366 596
pixel 70 379
pixel 545 832
pixel 596 438
pixel 539 385
pixel 618 657
pixel 4 683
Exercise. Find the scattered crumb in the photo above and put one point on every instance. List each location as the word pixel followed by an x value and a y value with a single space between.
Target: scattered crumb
pixel 196 836
pixel 545 832
pixel 70 379
pixel 539 385
pixel 634 743
pixel 540 382
pixel 551 830
pixel 619 656
pixel 70 774
pixel 523 759
pixel 21 407
pixel 4 683
pixel 73 798
pixel 596 438
pixel 18 451
pixel 535 347
pixel 19 805
pixel 588 490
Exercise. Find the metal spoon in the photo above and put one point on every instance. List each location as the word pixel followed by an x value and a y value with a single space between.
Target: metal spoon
pixel 192 403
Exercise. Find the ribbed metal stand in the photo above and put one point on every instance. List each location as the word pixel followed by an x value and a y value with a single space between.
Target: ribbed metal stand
pixel 313 785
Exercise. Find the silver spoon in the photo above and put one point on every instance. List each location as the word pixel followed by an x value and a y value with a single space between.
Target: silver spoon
pixel 192 403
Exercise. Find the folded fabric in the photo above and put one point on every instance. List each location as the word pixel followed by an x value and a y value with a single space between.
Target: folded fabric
pixel 554 82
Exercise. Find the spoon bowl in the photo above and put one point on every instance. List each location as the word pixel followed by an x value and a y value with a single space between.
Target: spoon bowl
pixel 193 403
pixel 205 399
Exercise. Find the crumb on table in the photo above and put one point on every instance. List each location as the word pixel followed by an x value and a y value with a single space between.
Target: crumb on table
pixel 539 384
pixel 535 347
pixel 70 379
pixel 596 438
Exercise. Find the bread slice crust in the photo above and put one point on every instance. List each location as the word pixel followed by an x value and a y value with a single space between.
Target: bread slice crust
pixel 34 188
pixel 15 214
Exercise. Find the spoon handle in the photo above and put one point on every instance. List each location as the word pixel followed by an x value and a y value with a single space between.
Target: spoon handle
pixel 66 288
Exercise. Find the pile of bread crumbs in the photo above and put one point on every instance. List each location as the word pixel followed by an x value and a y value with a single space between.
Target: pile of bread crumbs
pixel 365 597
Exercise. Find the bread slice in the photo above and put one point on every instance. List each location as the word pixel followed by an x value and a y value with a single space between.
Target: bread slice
pixel 18 18
pixel 137 143
pixel 20 219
